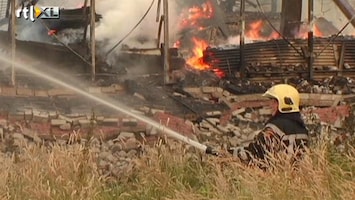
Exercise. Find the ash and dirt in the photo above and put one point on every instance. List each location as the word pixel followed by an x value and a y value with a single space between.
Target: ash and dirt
pixel 195 105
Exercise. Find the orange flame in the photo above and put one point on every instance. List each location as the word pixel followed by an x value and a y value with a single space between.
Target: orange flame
pixel 196 14
pixel 317 32
pixel 196 61
pixel 303 33
pixel 255 32
pixel 177 44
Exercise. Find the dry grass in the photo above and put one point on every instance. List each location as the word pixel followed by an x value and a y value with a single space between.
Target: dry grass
pixel 70 173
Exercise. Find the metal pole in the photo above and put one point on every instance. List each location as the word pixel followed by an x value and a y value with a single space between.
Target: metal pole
pixel 92 40
pixel 274 6
pixel 242 37
pixel 347 9
pixel 13 42
pixel 310 39
pixel 166 43
pixel 8 9
pixel 86 19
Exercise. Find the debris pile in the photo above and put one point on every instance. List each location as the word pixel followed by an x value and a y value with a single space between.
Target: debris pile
pixel 216 112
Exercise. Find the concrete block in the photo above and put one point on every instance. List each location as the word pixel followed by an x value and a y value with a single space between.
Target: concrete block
pixel 144 109
pixel 8 91
pixel 139 96
pixel 217 94
pixel 95 90
pixel 232 98
pixel 214 113
pixel 129 122
pixel 214 121
pixel 52 114
pixel 25 92
pixel 60 92
pixel 65 127
pixel 125 135
pixel 238 111
pixel 226 93
pixel 39 116
pixel 3 122
pixel 28 114
pixel 154 110
pixel 84 123
pixel 220 90
pixel 207 89
pixel 16 116
pixel 108 89
pixel 118 87
pixel 248 115
pixel 41 93
pixel 110 121
pixel 177 94
pixel 58 122
pixel 137 112
pixel 99 118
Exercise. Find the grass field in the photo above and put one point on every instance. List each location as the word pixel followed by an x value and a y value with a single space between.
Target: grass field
pixel 71 173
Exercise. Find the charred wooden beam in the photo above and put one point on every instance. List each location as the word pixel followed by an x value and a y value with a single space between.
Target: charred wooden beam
pixel 242 39
pixel 310 38
pixel 290 17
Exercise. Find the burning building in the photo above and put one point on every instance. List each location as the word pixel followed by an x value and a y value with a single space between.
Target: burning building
pixel 265 43
pixel 274 42
pixel 58 37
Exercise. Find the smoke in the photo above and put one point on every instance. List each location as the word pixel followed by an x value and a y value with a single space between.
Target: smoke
pixel 35 31
pixel 119 18
pixel 329 10
pixel 67 4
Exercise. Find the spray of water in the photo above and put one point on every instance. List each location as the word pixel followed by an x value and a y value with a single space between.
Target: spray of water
pixel 109 103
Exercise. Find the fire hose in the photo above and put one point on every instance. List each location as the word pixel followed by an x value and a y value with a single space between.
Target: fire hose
pixel 112 103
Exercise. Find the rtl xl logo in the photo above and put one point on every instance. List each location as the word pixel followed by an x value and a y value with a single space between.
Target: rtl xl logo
pixel 33 12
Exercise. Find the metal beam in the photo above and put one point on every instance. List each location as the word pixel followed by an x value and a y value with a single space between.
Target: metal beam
pixel 92 40
pixel 242 39
pixel 290 17
pixel 13 42
pixel 166 53
pixel 86 19
pixel 8 9
pixel 310 38
pixel 347 9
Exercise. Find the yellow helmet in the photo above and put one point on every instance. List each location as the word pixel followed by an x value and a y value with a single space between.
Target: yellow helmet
pixel 287 96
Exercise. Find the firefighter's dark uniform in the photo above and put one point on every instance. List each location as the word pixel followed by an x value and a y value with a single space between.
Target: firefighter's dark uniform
pixel 283 132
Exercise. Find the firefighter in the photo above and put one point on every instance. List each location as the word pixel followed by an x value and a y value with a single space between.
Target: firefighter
pixel 285 131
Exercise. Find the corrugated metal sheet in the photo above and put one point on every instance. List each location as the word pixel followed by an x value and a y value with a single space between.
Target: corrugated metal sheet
pixel 279 56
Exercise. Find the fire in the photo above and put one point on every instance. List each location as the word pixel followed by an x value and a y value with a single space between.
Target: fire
pixel 303 33
pixel 317 32
pixel 256 32
pixel 196 18
pixel 196 14
pixel 177 44
pixel 196 61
